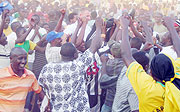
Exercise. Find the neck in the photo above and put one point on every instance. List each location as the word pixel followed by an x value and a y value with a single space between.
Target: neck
pixel 66 59
pixel 18 72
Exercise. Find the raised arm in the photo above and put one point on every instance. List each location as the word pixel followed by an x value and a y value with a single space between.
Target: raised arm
pixel 125 45
pixel 82 32
pixel 135 32
pixel 168 22
pixel 23 37
pixel 97 40
pixel 147 32
pixel 113 37
pixel 4 15
pixel 74 36
pixel 59 25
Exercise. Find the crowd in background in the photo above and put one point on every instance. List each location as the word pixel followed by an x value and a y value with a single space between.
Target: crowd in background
pixel 88 55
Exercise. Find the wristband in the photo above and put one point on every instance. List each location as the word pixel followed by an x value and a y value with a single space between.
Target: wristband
pixel 103 35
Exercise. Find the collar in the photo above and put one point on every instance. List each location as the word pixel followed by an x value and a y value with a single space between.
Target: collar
pixel 160 83
pixel 13 74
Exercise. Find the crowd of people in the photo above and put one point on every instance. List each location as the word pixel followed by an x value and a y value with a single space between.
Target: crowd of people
pixel 89 56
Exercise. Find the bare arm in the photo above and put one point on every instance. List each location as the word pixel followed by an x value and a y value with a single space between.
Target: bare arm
pixel 113 37
pixel 97 41
pixel 148 32
pixel 59 25
pixel 23 37
pixel 125 45
pixel 4 14
pixel 135 32
pixel 81 34
pixel 174 35
pixel 104 59
pixel 74 36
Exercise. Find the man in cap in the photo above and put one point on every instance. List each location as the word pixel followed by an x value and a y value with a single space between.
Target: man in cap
pixel 53 47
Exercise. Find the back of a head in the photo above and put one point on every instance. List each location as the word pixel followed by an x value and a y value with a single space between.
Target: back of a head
pixel 162 67
pixel 94 15
pixel 136 43
pixel 116 49
pixel 142 58
pixel 68 50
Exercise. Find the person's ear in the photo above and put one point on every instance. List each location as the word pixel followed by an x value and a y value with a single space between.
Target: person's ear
pixel 75 55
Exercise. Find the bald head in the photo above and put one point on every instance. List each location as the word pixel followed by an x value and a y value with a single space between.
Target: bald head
pixel 17 51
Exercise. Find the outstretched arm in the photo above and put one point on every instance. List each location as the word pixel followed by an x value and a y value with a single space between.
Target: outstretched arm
pixel 168 22
pixel 125 45
pixel 59 25
pixel 74 36
pixel 97 40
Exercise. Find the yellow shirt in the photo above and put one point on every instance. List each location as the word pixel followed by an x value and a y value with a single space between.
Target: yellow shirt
pixel 150 93
pixel 7 31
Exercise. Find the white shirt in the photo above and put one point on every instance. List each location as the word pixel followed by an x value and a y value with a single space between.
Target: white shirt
pixel 64 84
pixel 70 29
pixel 42 32
pixel 169 50
pixel 5 50
pixel 53 54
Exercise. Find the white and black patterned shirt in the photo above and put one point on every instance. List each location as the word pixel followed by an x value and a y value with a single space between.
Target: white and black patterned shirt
pixel 64 84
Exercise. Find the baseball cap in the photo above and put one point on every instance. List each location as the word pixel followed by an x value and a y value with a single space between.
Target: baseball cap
pixel 53 35
pixel 5 5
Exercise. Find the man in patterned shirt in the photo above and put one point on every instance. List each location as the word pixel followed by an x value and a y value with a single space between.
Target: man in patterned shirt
pixel 64 82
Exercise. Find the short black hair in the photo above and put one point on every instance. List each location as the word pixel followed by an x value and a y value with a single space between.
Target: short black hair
pixel 18 30
pixel 68 50
pixel 136 43
pixel 71 16
pixel 13 25
pixel 141 58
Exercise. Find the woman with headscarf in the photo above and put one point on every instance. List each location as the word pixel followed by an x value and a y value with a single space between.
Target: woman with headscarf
pixel 160 91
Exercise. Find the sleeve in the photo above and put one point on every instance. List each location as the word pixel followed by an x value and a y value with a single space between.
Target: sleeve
pixel 32 45
pixel 177 64
pixel 35 86
pixel 85 59
pixel 133 100
pixel 138 78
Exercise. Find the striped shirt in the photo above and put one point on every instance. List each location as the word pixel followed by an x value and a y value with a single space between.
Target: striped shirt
pixel 14 89
pixel 125 99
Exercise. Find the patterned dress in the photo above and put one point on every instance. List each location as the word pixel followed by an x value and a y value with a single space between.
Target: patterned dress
pixel 64 84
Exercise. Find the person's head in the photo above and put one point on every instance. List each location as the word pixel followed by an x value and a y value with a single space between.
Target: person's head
pixel 46 27
pixel 7 21
pixel 166 39
pixel 143 59
pixel 72 17
pixel 15 25
pixel 136 43
pixel 54 38
pixel 52 15
pixel 93 15
pixel 85 13
pixel 115 48
pixel 158 17
pixel 162 68
pixel 20 31
pixel 3 39
pixel 68 52
pixel 23 13
pixel 18 59
pixel 35 18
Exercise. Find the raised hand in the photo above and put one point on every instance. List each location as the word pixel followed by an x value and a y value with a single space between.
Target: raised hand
pixel 168 22
pixel 103 28
pixel 99 22
pixel 63 11
pixel 124 22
